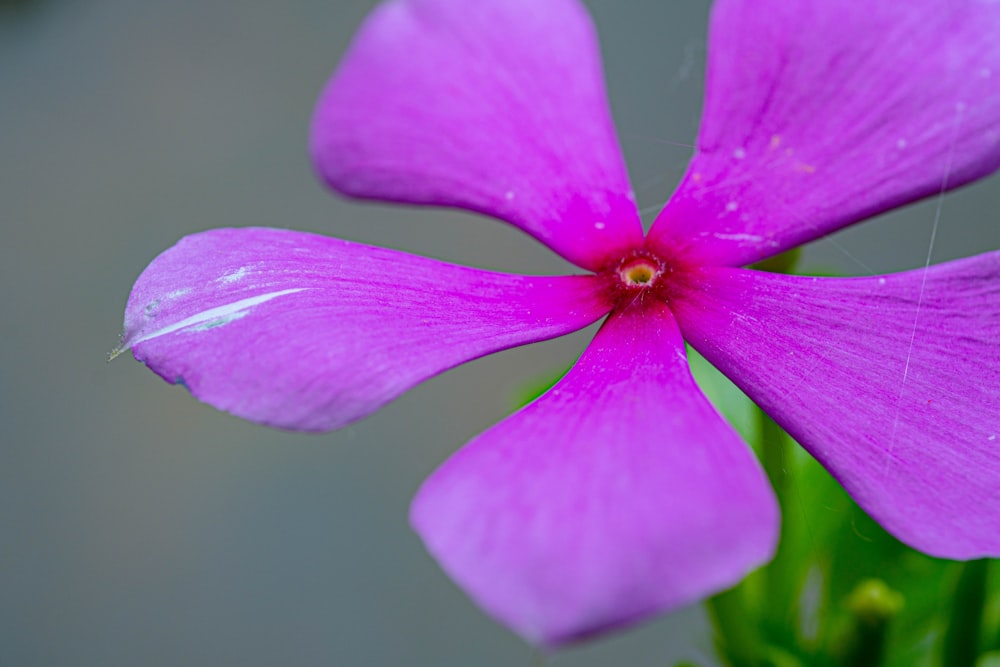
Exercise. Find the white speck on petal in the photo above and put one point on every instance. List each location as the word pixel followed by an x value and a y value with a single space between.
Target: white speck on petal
pixel 732 206
pixel 599 225
pixel 751 238
pixel 509 195
pixel 233 276
pixel 177 293
pixel 739 153
pixel 881 281
pixel 992 437
pixel 214 316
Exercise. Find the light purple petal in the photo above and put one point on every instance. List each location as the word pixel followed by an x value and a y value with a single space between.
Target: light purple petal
pixel 820 113
pixel 618 494
pixel 497 106
pixel 892 382
pixel 310 333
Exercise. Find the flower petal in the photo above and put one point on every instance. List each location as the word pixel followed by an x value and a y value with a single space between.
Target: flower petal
pixel 892 382
pixel 618 494
pixel 495 106
pixel 819 114
pixel 310 333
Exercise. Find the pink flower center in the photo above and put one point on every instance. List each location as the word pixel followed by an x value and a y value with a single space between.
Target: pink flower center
pixel 639 272
pixel 638 276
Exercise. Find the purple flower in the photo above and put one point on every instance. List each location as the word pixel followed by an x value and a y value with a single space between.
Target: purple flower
pixel 621 492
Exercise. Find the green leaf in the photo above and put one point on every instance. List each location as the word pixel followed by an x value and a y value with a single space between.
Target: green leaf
pixel 991 659
pixel 534 388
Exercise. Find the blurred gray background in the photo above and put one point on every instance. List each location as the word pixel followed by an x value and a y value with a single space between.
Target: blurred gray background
pixel 138 527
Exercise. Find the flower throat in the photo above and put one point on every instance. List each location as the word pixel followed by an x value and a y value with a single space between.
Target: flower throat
pixel 638 276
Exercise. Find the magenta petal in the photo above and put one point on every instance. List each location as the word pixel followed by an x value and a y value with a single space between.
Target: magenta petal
pixel 618 494
pixel 820 113
pixel 311 333
pixel 495 106
pixel 892 382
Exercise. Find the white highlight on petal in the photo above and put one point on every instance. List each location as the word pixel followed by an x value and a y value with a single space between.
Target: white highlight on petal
pixel 218 322
pixel 233 276
pixel 739 153
pixel 224 314
pixel 752 238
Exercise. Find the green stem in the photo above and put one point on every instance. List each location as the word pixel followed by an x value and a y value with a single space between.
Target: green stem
pixel 867 647
pixel 961 641
pixel 761 611
pixel 781 606
pixel 738 642
pixel 772 443
pixel 735 612
pixel 873 606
